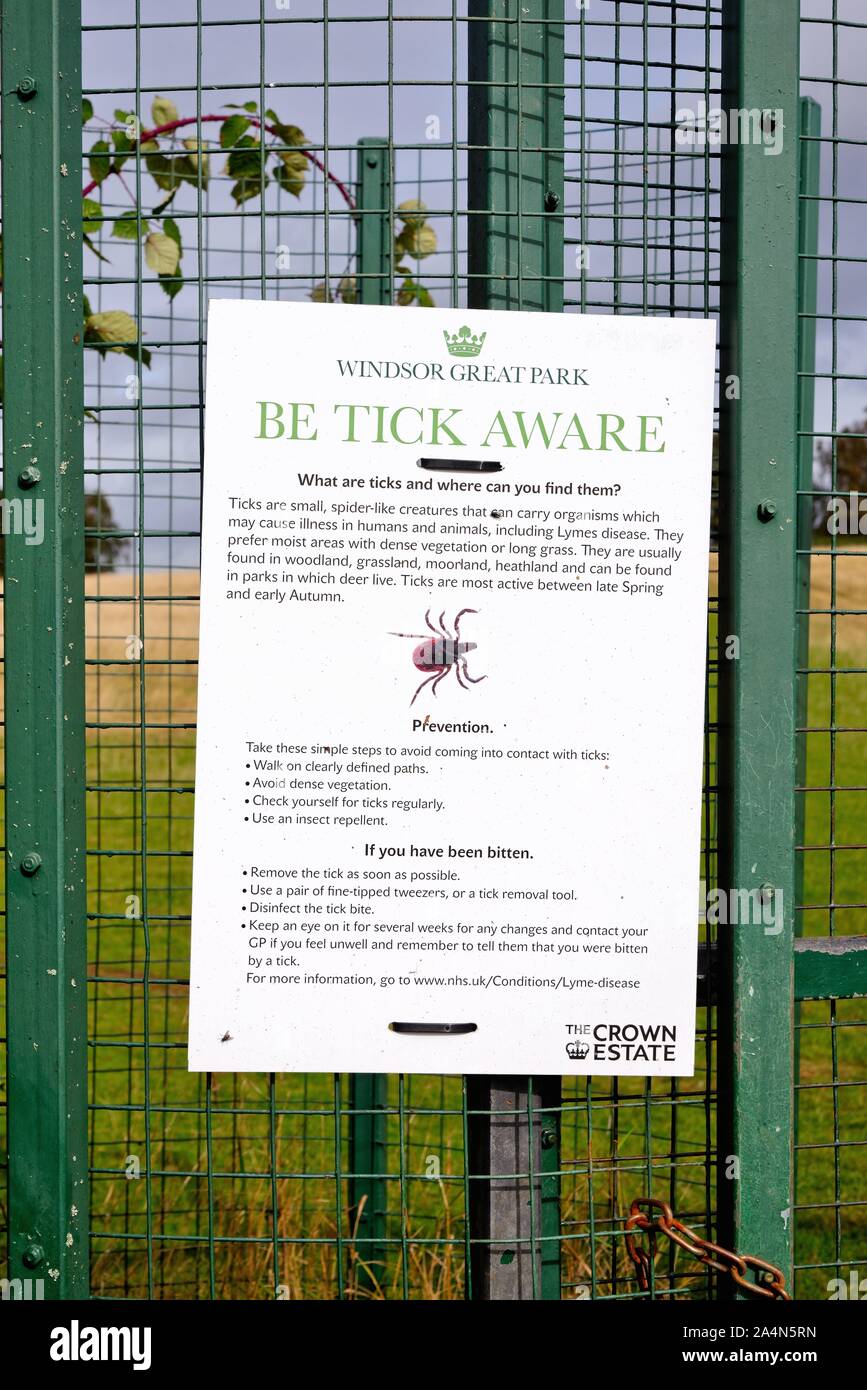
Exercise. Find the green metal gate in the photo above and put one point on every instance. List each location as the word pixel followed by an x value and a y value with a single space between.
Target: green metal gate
pixel 469 152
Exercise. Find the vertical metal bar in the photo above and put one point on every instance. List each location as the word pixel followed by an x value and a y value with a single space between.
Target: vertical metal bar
pixel 44 627
pixel 515 164
pixel 368 1122
pixel 374 225
pixel 515 261
pixel 758 478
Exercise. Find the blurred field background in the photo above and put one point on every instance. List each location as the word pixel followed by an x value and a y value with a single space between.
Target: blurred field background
pixel 166 1223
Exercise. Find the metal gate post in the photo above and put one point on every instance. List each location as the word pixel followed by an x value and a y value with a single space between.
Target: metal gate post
pixel 758 477
pixel 368 1121
pixel 44 635
pixel 515 261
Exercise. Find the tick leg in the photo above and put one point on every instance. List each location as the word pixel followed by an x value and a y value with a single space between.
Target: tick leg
pixel 422 636
pixel 474 679
pixel 458 620
pixel 434 630
pixel 442 675
pixel 458 674
pixel 437 675
pixel 444 628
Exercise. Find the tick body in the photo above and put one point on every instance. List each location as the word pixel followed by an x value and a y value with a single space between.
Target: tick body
pixel 440 653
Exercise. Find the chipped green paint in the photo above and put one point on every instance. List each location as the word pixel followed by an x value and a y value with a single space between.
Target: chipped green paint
pixel 833 967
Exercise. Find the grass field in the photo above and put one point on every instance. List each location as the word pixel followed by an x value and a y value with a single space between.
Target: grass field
pixel 185 1201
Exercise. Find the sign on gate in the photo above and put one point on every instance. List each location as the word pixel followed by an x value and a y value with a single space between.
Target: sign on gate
pixel 454 583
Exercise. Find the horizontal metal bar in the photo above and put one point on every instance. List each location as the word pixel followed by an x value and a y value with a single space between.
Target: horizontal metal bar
pixel 830 967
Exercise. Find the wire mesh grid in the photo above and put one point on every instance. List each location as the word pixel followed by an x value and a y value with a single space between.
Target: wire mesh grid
pixel 238 1186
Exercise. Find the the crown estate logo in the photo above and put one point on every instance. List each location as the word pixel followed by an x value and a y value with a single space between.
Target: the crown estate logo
pixel 464 343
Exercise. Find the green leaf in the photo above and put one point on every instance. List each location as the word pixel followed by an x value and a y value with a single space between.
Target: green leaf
pixel 291 171
pixel 91 247
pixel 198 152
pixel 114 327
pixel 171 228
pixel 232 129
pixel 122 116
pixel 172 284
pixel 417 241
pixel 92 215
pixel 162 253
pixel 123 147
pixel 245 189
pixel 99 162
pixel 411 292
pixel 163 111
pixel 412 213
pixel 127 228
pixel 347 290
pixel 246 159
pixel 168 173
pixel 161 207
pixel 289 134
pixel 86 111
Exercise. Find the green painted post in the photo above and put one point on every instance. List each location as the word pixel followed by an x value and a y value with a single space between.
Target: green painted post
pixel 368 1122
pixel 44 635
pixel 758 478
pixel 515 166
pixel 515 261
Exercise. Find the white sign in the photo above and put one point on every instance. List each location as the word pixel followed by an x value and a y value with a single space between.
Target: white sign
pixel 454 584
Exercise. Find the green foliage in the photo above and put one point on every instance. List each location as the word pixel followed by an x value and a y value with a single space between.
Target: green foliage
pixel 414 237
pixel 259 149
pixel 114 330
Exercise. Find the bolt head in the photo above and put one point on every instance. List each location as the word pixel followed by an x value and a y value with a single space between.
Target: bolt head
pixel 766 510
pixel 549 1138
pixel 552 201
pixel 31 863
pixel 33 1256
pixel 26 88
pixel 29 476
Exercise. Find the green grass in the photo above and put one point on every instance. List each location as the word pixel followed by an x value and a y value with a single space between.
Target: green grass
pixel 203 1221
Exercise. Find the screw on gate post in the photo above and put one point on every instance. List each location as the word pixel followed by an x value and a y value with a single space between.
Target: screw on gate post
pixel 32 1256
pixel 26 88
pixel 766 510
pixel 552 201
pixel 29 476
pixel 31 863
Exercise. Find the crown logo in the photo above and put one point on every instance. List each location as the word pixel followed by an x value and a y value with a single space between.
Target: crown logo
pixel 577 1050
pixel 464 343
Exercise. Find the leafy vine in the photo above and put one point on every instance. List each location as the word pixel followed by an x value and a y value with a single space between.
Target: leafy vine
pixel 260 149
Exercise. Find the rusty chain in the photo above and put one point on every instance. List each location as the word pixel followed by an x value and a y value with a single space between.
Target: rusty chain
pixel 653 1217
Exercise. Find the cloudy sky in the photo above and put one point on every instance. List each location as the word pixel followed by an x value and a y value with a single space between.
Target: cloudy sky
pixel 625 184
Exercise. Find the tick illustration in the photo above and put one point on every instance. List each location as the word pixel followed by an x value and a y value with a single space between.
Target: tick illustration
pixel 441 653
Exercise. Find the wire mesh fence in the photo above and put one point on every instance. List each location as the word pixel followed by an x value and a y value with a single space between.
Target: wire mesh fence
pixel 240 1186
